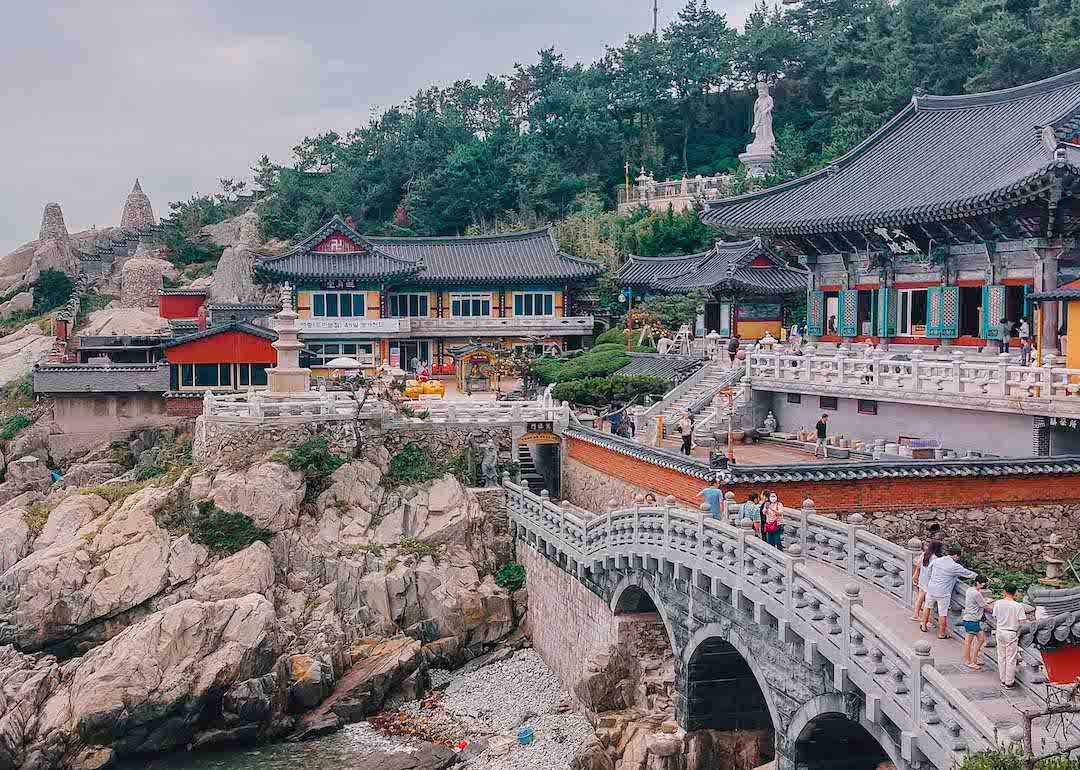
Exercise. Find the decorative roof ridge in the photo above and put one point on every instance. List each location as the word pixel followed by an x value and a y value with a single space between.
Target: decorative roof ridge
pixel 1001 96
pixel 661 457
pixel 240 326
pixel 46 366
pixel 673 258
pixel 168 292
pixel 516 235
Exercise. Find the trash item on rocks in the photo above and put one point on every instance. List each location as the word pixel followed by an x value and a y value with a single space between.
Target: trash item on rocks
pixel 500 745
pixel 525 736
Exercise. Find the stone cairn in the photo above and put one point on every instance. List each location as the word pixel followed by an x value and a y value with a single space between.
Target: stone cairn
pixel 141 280
pixel 52 224
pixel 138 214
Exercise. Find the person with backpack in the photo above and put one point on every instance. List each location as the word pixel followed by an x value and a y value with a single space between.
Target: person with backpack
pixel 733 348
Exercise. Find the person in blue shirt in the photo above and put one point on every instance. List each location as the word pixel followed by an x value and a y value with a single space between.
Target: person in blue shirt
pixel 714 497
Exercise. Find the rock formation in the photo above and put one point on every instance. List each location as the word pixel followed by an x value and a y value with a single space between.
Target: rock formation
pixel 128 636
pixel 52 224
pixel 141 280
pixel 138 214
pixel 233 279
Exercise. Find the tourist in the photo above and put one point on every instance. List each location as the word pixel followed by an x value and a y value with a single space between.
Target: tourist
pixel 774 522
pixel 715 498
pixel 974 610
pixel 832 325
pixel 733 348
pixel 1025 351
pixel 822 430
pixel 797 350
pixel 944 574
pixel 931 550
pixel 802 328
pixel 650 498
pixel 414 365
pixel 1009 615
pixel 794 333
pixel 868 354
pixel 751 509
pixel 686 429
pixel 1004 332
pixel 1025 329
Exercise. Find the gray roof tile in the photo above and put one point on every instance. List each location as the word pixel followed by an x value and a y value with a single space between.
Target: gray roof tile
pixel 531 256
pixel 941 157
pixel 673 368
pixel 725 266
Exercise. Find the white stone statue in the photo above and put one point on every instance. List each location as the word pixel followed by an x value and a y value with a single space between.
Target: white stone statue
pixel 760 154
pixel 489 464
pixel 762 128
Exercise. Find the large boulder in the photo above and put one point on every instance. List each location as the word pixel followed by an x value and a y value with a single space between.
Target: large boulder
pixel 608 681
pixel 27 474
pixel 26 682
pixel 16 538
pixel 250 571
pixel 65 520
pixel 269 493
pixel 116 562
pixel 151 687
pixel 92 473
pixel 233 276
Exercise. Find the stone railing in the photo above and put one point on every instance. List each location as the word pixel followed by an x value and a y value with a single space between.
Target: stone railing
pixel 974 382
pixel 557 325
pixel 897 678
pixel 259 406
pixel 648 192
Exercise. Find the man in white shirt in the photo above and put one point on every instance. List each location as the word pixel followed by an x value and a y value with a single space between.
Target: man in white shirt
pixel 944 573
pixel 1009 615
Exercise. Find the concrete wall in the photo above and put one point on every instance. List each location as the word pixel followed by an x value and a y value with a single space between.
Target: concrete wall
pixel 1008 435
pixel 104 413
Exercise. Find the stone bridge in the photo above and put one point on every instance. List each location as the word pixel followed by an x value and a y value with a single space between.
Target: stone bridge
pixel 814 643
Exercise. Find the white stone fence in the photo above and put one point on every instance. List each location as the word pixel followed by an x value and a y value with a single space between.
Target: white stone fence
pixel 731 561
pixel 261 406
pixel 922 374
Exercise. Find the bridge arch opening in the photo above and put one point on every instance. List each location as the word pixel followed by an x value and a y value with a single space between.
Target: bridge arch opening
pixel 831 741
pixel 723 693
pixel 634 601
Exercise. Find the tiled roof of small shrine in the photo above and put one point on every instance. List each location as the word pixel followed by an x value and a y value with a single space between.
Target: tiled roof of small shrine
pixel 941 157
pixel 665 367
pixel 234 326
pixel 728 265
pixel 530 256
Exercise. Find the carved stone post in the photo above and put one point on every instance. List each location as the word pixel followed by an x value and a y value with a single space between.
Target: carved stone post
pixel 855 523
pixel 805 512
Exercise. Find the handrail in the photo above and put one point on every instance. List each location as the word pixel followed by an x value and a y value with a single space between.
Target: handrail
pixel 904 680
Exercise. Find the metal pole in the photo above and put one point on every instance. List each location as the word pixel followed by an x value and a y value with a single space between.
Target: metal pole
pixel 730 424
pixel 629 320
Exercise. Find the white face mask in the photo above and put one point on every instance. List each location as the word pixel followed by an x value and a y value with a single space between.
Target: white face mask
pixel 772 498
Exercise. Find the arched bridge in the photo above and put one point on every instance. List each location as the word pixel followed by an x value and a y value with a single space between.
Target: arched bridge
pixel 814 643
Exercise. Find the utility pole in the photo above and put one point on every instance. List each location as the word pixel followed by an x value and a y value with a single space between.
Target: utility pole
pixel 655 13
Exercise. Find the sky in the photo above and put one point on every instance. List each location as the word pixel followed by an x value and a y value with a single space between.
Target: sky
pixel 180 94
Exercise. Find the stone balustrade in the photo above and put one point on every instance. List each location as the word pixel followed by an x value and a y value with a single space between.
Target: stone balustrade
pixel 963 380
pixel 785 590
pixel 260 406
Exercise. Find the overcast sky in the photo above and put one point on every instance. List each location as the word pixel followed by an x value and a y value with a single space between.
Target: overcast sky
pixel 182 93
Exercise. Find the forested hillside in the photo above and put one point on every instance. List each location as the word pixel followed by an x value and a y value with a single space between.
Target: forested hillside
pixel 549 140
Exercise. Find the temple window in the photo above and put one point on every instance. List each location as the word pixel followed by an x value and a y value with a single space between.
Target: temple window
pixel 412 305
pixel 337 305
pixel 912 313
pixel 321 352
pixel 470 305
pixel 534 303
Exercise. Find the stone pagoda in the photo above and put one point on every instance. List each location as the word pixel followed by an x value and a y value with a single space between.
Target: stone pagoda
pixel 138 214
pixel 287 376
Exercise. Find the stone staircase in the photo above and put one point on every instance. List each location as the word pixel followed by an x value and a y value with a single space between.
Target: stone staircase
pixel 699 397
pixel 530 476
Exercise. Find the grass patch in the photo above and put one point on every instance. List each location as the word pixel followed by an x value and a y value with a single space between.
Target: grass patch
pixel 413 466
pixel 412 546
pixel 147 472
pixel 999 575
pixel 17 394
pixel 89 303
pixel 226 532
pixel 511 576
pixel 116 493
pixel 375 549
pixel 314 459
pixel 13 425
pixel 36 516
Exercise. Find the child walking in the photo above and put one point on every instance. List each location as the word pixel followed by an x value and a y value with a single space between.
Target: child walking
pixel 974 610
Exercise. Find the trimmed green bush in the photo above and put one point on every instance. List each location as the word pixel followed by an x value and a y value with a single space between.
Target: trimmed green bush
pixel 601 361
pixel 605 391
pixel 412 466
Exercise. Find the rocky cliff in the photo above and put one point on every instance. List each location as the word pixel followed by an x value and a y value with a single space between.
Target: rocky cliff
pixel 216 605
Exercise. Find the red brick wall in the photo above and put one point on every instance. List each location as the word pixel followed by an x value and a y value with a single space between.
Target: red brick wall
pixel 845 496
pixel 183 407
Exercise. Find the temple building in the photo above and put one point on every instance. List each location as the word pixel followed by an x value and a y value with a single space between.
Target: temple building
pixel 940 224
pixel 747 285
pixel 400 299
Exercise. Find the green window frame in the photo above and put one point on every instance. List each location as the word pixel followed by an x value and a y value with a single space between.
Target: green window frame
pixel 334 304
pixel 534 303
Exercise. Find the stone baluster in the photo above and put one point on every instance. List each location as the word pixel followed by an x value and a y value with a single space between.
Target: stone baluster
pixel 805 513
pixel 730 509
pixel 255 405
pixel 914 547
pixel 855 523
pixel 208 403
pixel 794 559
pixel 851 599
pixel 922 659
pixel 515 412
pixel 1002 375
pixel 746 531
pixel 1046 377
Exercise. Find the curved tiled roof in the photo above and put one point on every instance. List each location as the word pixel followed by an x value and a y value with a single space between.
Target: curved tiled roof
pixel 725 266
pixel 667 367
pixel 661 457
pixel 530 256
pixel 941 157
pixel 235 326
